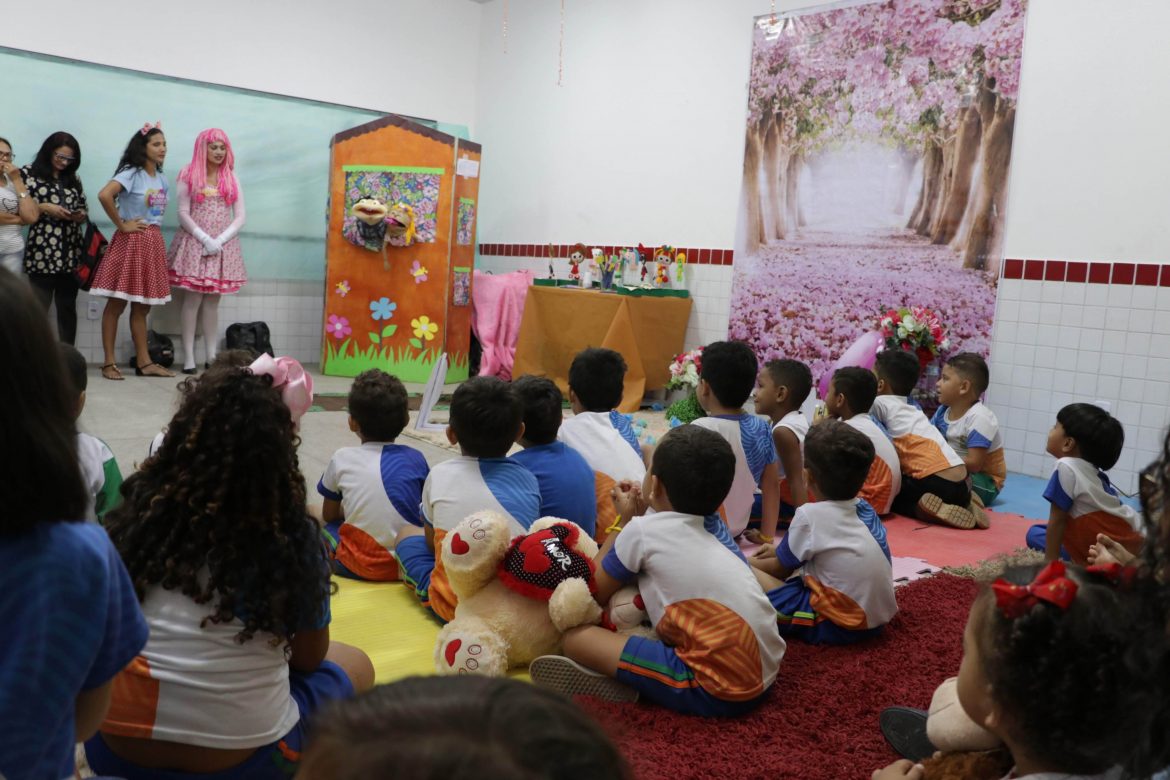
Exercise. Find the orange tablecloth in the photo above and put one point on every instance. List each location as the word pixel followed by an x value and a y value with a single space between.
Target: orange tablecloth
pixel 558 323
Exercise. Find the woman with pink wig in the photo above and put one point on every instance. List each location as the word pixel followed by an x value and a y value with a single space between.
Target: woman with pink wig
pixel 205 258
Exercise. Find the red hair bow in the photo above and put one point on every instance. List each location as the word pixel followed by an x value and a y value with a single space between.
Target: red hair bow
pixel 1050 586
pixel 1114 573
pixel 146 128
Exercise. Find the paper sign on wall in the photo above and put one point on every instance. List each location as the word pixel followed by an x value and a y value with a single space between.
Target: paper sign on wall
pixel 467 168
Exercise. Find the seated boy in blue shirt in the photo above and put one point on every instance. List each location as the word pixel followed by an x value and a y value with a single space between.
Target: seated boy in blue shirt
pixel 566 481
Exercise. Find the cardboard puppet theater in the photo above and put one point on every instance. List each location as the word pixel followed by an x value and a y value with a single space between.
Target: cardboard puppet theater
pixel 400 250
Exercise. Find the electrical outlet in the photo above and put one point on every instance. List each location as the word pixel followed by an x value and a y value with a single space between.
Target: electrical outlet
pixel 94 311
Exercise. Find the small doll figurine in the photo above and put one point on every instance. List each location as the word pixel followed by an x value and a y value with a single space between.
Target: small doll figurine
pixel 662 260
pixel 628 260
pixel 680 268
pixel 577 256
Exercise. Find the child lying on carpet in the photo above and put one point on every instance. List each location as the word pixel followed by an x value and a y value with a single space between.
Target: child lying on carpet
pixel 460 728
pixel 1057 665
pixel 373 491
pixel 720 651
pixel 844 592
pixel 851 393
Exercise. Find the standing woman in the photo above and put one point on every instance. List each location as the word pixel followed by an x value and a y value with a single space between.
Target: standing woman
pixel 16 210
pixel 205 258
pixel 54 242
pixel 134 270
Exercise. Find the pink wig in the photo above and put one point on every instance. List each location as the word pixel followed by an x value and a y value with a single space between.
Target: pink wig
pixel 195 174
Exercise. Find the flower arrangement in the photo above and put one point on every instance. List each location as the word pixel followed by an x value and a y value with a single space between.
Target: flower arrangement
pixel 684 370
pixel 914 329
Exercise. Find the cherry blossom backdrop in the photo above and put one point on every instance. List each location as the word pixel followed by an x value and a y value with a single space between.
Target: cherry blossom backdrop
pixel 876 163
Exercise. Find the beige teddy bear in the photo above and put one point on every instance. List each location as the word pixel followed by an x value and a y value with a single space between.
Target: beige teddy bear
pixel 516 595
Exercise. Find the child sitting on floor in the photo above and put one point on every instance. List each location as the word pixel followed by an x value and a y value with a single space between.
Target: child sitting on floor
pixel 99 468
pixel 934 478
pixel 460 728
pixel 373 491
pixel 844 592
pixel 969 426
pixel 233 577
pixel 783 387
pixel 851 394
pixel 725 383
pixel 719 650
pixel 486 419
pixel 1057 665
pixel 567 488
pixel 1087 442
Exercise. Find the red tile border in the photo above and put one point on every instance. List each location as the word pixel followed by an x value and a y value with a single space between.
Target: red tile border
pixel 1123 273
pixel 1099 273
pixel 1077 272
pixel 1033 270
pixel 1013 269
pixel 1054 270
pixel 1147 274
pixel 1165 280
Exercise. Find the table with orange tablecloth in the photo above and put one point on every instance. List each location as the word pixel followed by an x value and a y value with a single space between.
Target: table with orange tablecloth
pixel 560 322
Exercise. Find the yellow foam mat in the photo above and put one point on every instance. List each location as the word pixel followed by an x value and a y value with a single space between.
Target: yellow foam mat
pixel 386 621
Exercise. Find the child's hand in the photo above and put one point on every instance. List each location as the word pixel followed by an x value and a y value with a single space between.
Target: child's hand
pixel 899 770
pixel 765 551
pixel 627 500
pixel 1107 551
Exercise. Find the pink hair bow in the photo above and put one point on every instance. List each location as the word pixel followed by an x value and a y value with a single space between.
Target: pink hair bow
pixel 290 378
pixel 146 128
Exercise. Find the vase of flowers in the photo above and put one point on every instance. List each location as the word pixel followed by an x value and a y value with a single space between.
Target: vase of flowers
pixel 918 329
pixel 684 379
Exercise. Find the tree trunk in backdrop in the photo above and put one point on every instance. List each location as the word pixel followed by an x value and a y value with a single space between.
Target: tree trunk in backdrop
pixel 751 184
pixel 775 226
pixel 985 242
pixel 792 190
pixel 966 153
pixel 907 159
pixel 945 182
pixel 931 180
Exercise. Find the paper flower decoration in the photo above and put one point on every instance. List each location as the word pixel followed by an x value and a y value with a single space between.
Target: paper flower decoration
pixel 419 272
pixel 343 288
pixel 338 327
pixel 382 309
pixel 424 328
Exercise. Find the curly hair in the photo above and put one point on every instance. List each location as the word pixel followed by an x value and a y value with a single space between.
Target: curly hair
pixel 379 405
pixel 1075 683
pixel 218 512
pixel 135 154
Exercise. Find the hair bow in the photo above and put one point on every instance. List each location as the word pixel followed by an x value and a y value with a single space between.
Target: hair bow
pixel 290 378
pixel 146 128
pixel 1050 585
pixel 1114 573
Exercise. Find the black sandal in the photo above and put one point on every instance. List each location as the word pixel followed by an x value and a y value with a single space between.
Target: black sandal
pixel 141 371
pixel 905 729
pixel 117 374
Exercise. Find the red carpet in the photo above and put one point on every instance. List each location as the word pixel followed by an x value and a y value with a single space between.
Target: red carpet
pixel 943 546
pixel 821 717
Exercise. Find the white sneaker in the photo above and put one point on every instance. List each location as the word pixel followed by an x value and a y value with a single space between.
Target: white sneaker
pixel 566 676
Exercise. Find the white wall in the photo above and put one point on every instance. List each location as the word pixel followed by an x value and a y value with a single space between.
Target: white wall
pixel 414 57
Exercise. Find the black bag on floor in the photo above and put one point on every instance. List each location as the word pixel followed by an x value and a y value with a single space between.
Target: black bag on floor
pixel 161 349
pixel 252 336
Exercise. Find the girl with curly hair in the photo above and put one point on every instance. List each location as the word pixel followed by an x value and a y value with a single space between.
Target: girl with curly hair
pixel 233 576
pixel 70 616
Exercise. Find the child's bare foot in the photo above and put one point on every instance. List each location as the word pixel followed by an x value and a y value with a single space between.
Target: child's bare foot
pixel 934 509
pixel 566 676
pixel 756 536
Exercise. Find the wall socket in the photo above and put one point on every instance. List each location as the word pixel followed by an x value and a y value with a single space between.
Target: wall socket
pixel 94 311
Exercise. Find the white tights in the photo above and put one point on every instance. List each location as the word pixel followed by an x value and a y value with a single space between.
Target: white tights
pixel 209 325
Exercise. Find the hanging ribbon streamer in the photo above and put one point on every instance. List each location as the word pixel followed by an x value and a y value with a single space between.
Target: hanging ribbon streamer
pixel 505 26
pixel 561 53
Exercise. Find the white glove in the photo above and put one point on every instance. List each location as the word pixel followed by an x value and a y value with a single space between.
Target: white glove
pixel 209 245
pixel 212 247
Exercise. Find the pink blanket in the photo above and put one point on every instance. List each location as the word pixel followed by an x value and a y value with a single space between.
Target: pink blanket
pixel 498 306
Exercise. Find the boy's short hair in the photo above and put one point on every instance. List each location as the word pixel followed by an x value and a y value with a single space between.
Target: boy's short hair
pixel 486 415
pixel 75 368
pixel 1099 435
pixel 597 377
pixel 791 374
pixel 730 368
pixel 899 368
pixel 858 386
pixel 696 467
pixel 541 399
pixel 377 403
pixel 973 368
pixel 838 456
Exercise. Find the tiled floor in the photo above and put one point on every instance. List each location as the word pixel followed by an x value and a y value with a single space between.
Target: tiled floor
pixel 127 415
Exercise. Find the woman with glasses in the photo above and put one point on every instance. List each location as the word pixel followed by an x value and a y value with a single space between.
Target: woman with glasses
pixel 17 209
pixel 54 242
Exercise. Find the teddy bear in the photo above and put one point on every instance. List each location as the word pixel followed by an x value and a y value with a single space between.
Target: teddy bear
pixel 517 596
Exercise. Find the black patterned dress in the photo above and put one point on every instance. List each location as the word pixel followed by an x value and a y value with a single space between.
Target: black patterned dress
pixel 54 245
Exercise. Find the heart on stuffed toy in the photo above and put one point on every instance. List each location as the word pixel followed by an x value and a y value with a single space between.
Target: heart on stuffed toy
pixel 535 564
pixel 458 546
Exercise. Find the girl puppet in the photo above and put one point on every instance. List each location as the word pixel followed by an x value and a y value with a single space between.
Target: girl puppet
pixel 205 258
pixel 233 577
pixel 16 210
pixel 134 269
pixel 54 242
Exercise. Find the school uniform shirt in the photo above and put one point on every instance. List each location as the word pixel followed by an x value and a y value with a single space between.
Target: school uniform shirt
pixel 103 478
pixel 921 448
pixel 606 445
pixel 751 441
pixel 463 486
pixel 977 427
pixel 1093 506
pixel 566 483
pixel 841 547
pixel 72 622
pixel 796 422
pixel 884 479
pixel 379 485
pixel 702 601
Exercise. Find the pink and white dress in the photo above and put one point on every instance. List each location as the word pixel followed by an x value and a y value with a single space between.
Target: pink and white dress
pixel 190 268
